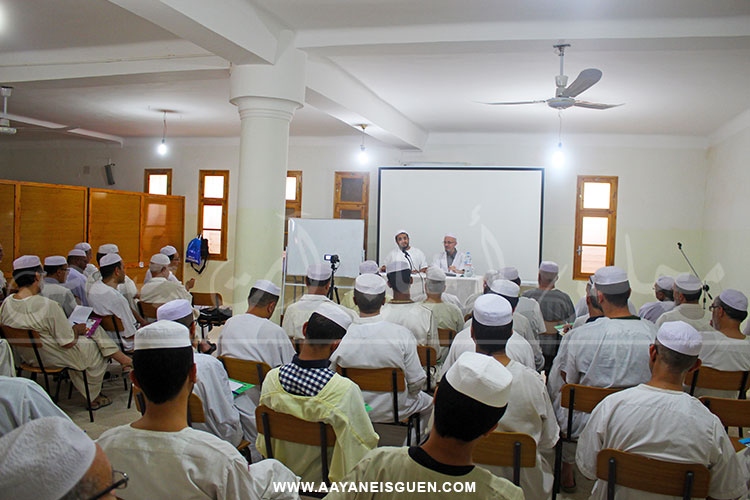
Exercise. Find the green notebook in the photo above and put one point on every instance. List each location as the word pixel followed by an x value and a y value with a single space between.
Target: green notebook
pixel 368 408
pixel 238 387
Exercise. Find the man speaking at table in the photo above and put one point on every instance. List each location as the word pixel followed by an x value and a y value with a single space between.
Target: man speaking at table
pixel 411 255
pixel 451 260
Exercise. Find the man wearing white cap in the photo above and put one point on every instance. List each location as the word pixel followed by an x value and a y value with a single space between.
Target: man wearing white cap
pixel 23 400
pixel 160 289
pixel 531 410
pixel 127 287
pixel 366 267
pixel 174 263
pixel 191 463
pixel 469 402
pixel 106 299
pixel 450 260
pixel 490 276
pixel 308 389
pixel 89 268
pixel 403 311
pixel 64 346
pixel 658 420
pixel 56 270
pixel 555 304
pixel 418 260
pixel 76 280
pixel 663 290
pixel 445 315
pixel 318 281
pixel 372 342
pixel 521 325
pixel 51 458
pixel 687 292
pixel 526 306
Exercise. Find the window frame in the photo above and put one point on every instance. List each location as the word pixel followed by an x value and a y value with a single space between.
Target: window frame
pixel 295 204
pixel 610 213
pixel 363 206
pixel 223 202
pixel 148 172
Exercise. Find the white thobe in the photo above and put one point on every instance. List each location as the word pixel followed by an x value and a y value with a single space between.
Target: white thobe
pixel 530 308
pixel 23 400
pixel 162 290
pixel 417 257
pixel 298 313
pixel 128 289
pixel 441 260
pixel 448 316
pixel 76 282
pixel 53 290
pixel 7 365
pixel 212 387
pixel 188 464
pixel 90 269
pixel 106 301
pixel 149 277
pixel 415 318
pixel 374 343
pixel 726 354
pixel 665 425
pixel 3 281
pixel 652 310
pixel 692 314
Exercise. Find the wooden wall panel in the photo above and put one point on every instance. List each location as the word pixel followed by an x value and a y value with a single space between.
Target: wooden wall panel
pixel 52 219
pixel 115 217
pixel 7 225
pixel 162 223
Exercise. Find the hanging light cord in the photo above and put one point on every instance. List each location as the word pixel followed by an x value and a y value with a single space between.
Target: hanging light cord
pixel 164 129
pixel 559 130
pixel 362 147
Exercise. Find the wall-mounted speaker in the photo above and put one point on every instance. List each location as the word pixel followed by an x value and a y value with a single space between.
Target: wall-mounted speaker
pixel 108 171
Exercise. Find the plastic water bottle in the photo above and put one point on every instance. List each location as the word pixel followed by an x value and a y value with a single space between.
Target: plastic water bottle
pixel 468 269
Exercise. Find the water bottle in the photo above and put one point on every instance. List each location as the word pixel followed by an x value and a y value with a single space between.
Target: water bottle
pixel 468 269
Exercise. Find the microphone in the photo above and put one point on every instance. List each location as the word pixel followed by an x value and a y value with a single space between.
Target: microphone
pixel 679 245
pixel 405 252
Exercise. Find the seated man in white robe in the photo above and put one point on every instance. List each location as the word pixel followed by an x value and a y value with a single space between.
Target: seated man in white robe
pixel 174 264
pixel 23 400
pixel 414 257
pixel 657 420
pixel 469 401
pixel 663 290
pixel 367 267
pixel 445 315
pixel 89 268
pixel 526 306
pixel 372 342
pixel 309 390
pixel 555 304
pixel 56 269
pixel 451 260
pixel 76 280
pixel 127 288
pixel 488 278
pixel 191 463
pixel 687 293
pixel 530 411
pixel 160 289
pixel 63 345
pixel 612 352
pixel 403 311
pixel 106 300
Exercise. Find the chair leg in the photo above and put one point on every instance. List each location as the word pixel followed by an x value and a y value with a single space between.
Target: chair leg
pixel 88 396
pixel 70 387
pixel 130 396
pixel 57 391
pixel 558 469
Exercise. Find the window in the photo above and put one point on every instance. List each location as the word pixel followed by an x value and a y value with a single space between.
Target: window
pixel 596 215
pixel 157 181
pixel 293 198
pixel 351 197
pixel 213 196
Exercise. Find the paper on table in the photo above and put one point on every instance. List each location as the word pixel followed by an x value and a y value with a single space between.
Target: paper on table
pixel 80 314
pixel 235 385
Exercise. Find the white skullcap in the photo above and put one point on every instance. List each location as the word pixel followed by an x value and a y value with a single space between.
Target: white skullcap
pixel 168 250
pixel 370 284
pixel 335 314
pixel 509 273
pixel 163 334
pixel 611 280
pixel 492 310
pixel 43 459
pixel 482 378
pixel 266 286
pixel 688 283
pixel 491 276
pixel 160 258
pixel 680 337
pixel 434 273
pixel 401 231
pixel 55 260
pixel 548 266
pixel 77 252
pixel 734 299
pixel 108 248
pixel 174 310
pixel 505 287
pixel 665 283
pixel 368 267
pixel 26 261
pixel 83 246
pixel 109 259
pixel 396 266
pixel 319 272
pixel 450 235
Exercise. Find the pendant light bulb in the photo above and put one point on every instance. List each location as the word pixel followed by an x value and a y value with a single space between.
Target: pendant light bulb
pixel 162 148
pixel 363 157
pixel 558 157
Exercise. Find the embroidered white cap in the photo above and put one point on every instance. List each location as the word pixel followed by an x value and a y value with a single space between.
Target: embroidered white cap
pixel 734 299
pixel 77 252
pixel 492 310
pixel 680 337
pixel 108 248
pixel 665 283
pixel 505 287
pixel 83 246
pixel 160 258
pixel 335 314
pixel 434 273
pixel 109 259
pixel 611 280
pixel 319 272
pixel 368 267
pixel 26 262
pixel 174 310
pixel 168 250
pixel 163 334
pixel 509 273
pixel 548 266
pixel 482 378
pixel 370 284
pixel 688 283
pixel 267 286
pixel 55 260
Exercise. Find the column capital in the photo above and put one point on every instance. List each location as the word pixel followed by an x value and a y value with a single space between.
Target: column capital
pixel 284 80
pixel 265 107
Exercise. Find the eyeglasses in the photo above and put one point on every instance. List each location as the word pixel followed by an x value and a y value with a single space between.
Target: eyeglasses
pixel 713 307
pixel 119 482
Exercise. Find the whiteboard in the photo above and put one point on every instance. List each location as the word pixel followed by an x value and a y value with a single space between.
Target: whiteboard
pixel 495 213
pixel 310 239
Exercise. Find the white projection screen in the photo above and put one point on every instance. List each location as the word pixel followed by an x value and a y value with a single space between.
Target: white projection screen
pixel 495 213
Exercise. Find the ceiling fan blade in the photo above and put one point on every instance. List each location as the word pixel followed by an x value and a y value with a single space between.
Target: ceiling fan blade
pixel 510 103
pixel 586 79
pixel 595 105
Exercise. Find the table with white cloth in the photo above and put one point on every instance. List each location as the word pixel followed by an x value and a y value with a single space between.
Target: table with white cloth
pixel 460 286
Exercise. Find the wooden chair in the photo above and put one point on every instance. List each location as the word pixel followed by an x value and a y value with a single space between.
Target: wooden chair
pixel 732 413
pixel 651 475
pixel 207 299
pixel 709 378
pixel 285 427
pixel 147 309
pixel 384 380
pixel 446 336
pixel 506 449
pixel 113 323
pixel 428 359
pixel 467 317
pixel 249 372
pixel 29 339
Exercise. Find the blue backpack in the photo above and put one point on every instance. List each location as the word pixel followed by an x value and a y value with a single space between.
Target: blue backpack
pixel 197 253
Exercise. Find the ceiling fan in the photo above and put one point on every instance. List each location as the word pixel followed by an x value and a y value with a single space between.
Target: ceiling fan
pixel 565 95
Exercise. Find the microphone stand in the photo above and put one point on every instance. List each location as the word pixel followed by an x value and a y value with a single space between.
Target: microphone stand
pixel 705 284
pixel 411 265
pixel 332 289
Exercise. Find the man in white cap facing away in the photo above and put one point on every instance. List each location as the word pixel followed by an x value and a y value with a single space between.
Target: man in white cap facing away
pixel 446 315
pixel 526 306
pixel 366 267
pixel 51 458
pixel 308 389
pixel 418 260
pixel 160 289
pixel 318 281
pixel 658 420
pixel 521 325
pixel 127 287
pixel 174 264
pixel 469 402
pixel 403 311
pixel 663 290
pixel 106 299
pixel 56 270
pixel 64 345
pixel 611 352
pixel 191 463
pixel 89 268
pixel 555 304
pixel 76 280
pixel 253 337
pixel 488 278
pixel 23 400
pixel 531 410
pixel 372 342
pixel 450 260
pixel 687 292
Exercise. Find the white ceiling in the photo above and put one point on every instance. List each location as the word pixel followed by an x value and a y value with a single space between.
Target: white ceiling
pixel 681 67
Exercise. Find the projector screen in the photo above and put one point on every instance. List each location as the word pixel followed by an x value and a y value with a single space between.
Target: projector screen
pixel 495 213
